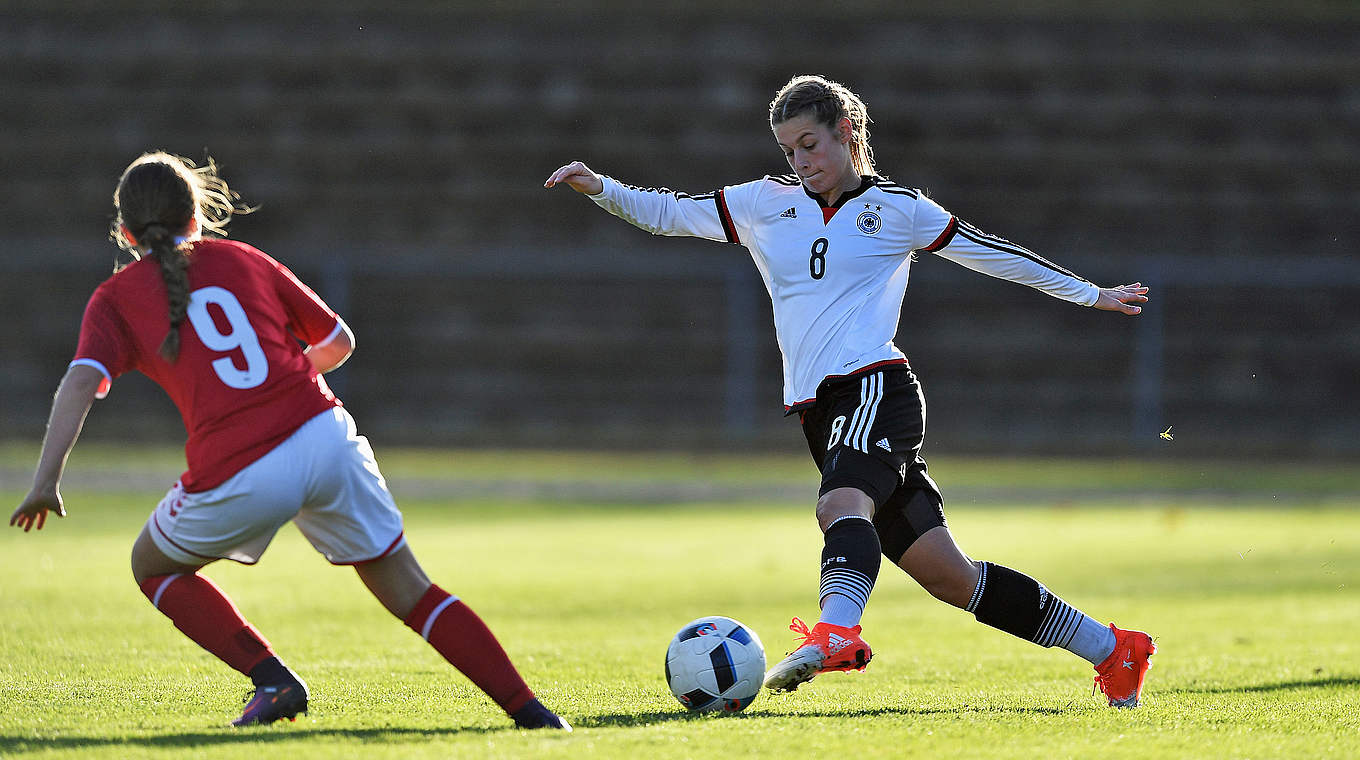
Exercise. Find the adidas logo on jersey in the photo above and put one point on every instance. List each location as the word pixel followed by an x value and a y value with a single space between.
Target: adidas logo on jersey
pixel 883 444
pixel 789 213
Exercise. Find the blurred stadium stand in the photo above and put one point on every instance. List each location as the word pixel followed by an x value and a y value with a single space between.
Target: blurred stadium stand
pixel 397 152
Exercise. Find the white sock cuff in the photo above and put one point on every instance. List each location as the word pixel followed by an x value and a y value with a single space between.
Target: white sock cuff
pixel 848 517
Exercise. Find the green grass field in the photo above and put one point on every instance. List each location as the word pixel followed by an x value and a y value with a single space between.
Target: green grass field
pixel 1248 577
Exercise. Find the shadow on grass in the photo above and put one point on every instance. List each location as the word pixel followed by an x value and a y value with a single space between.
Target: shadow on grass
pixel 1315 683
pixel 627 720
pixel 642 719
pixel 227 736
pixel 10 743
pixel 279 735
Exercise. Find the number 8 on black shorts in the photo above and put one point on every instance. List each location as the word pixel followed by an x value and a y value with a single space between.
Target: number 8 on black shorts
pixel 865 431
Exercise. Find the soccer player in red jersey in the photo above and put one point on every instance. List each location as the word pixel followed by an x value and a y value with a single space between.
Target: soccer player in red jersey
pixel 217 324
pixel 834 242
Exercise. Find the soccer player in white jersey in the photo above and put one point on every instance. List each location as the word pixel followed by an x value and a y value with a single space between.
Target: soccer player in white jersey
pixel 834 242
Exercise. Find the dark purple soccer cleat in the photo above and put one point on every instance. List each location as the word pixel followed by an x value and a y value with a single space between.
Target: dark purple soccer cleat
pixel 270 703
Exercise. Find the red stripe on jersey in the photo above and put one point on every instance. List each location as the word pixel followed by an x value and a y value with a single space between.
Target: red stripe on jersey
pixel 725 216
pixel 827 213
pixel 945 237
pixel 805 403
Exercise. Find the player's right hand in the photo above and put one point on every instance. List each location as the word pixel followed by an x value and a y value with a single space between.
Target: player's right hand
pixel 579 177
pixel 33 512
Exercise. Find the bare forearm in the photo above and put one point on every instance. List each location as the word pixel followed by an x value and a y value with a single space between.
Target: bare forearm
pixel 74 397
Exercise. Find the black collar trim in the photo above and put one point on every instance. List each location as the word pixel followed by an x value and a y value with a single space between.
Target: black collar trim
pixel 866 181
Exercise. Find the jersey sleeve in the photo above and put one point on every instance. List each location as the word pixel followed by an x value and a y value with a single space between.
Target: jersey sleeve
pixel 939 232
pixel 666 212
pixel 309 317
pixel 104 341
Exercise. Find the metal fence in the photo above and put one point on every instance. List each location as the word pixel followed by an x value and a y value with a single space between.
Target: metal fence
pixel 671 345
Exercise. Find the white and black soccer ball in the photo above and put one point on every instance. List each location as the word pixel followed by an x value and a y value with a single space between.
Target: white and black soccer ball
pixel 715 664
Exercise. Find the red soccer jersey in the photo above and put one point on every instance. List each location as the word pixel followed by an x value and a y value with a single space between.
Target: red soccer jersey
pixel 241 382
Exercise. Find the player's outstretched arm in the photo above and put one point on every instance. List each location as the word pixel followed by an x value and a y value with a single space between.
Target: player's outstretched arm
pixel 74 397
pixel 578 177
pixel 655 210
pixel 1122 298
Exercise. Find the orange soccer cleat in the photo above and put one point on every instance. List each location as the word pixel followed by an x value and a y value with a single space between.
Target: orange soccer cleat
pixel 825 648
pixel 1120 676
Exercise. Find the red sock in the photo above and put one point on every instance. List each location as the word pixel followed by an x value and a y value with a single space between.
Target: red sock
pixel 457 633
pixel 200 610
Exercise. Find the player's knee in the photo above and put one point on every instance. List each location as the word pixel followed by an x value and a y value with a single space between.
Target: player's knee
pixel 827 513
pixel 840 503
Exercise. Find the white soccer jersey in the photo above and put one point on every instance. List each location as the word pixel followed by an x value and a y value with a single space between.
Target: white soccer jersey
pixel 836 276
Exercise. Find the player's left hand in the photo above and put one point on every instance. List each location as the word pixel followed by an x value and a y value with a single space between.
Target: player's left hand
pixel 32 513
pixel 1122 298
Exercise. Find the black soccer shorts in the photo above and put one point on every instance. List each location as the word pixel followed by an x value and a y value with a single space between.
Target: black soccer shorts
pixel 865 431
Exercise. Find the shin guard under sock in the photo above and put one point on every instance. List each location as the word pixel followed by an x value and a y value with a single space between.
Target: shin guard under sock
pixel 201 611
pixel 850 561
pixel 1021 606
pixel 457 633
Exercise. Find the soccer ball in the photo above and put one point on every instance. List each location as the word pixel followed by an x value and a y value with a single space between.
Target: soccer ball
pixel 715 664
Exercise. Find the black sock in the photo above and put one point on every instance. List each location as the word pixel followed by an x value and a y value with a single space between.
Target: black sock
pixel 1021 606
pixel 850 560
pixel 272 672
pixel 534 715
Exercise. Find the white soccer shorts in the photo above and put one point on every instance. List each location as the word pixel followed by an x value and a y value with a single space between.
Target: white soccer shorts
pixel 323 477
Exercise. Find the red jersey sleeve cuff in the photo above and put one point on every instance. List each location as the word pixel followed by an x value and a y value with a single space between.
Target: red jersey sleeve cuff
pixel 335 333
